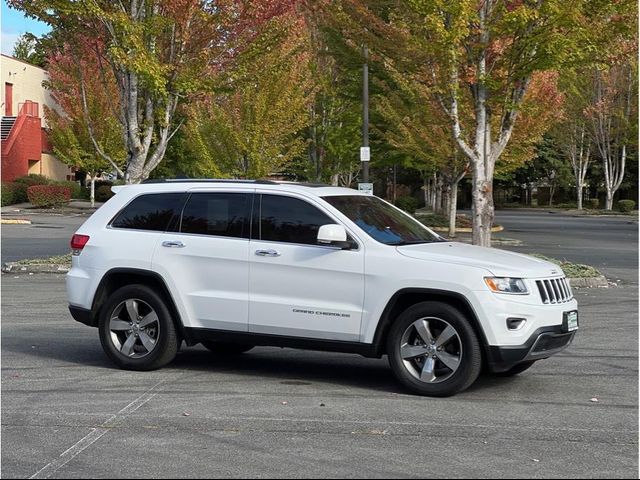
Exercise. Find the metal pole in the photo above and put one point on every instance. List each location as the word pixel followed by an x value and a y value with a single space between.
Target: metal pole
pixel 365 112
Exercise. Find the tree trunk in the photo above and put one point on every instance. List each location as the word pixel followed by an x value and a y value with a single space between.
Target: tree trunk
pixel 453 208
pixel 482 210
pixel 609 201
pixel 438 197
pixel 434 205
pixel 552 191
pixel 446 196
pixel 93 191
pixel 425 191
pixel 579 187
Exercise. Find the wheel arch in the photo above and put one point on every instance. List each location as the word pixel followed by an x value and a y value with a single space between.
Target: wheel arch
pixel 119 277
pixel 407 297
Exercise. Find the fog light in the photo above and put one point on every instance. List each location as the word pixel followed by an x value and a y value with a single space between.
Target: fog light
pixel 516 323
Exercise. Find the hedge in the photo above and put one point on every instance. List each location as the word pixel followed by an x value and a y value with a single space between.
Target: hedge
pixel 408 204
pixel 626 206
pixel 7 193
pixel 33 179
pixel 48 195
pixel 103 193
pixel 76 189
pixel 593 203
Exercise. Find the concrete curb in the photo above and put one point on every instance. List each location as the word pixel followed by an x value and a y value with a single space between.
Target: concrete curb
pixel 13 267
pixel 497 228
pixel 15 221
pixel 591 282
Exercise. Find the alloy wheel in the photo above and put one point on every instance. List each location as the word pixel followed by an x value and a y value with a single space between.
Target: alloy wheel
pixel 431 350
pixel 134 328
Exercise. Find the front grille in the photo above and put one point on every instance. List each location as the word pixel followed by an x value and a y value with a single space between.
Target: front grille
pixel 548 343
pixel 554 290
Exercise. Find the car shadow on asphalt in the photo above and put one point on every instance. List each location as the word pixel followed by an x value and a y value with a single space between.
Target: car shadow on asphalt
pixel 306 368
pixel 290 367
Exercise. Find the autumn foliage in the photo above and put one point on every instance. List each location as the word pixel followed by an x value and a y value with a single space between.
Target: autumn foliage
pixel 48 195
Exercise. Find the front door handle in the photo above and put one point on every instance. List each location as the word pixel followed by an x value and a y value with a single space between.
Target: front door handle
pixel 267 253
pixel 173 244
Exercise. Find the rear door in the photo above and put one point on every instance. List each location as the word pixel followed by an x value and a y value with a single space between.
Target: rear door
pixel 207 259
pixel 297 287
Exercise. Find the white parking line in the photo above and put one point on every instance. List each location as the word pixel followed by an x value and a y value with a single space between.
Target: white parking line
pixel 96 433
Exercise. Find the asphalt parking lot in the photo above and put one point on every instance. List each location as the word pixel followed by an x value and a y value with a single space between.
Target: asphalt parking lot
pixel 67 412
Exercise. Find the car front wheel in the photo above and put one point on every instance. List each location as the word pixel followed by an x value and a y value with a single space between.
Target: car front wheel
pixel 433 350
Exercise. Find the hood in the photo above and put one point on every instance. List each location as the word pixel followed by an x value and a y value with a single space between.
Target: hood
pixel 499 262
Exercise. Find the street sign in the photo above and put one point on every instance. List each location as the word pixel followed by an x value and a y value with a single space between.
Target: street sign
pixel 365 154
pixel 366 188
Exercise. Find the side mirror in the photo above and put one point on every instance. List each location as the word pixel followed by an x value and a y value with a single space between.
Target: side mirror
pixel 333 235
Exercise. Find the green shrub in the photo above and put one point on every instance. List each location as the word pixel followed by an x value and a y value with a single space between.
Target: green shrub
pixel 33 179
pixel 7 193
pixel 626 206
pixel 13 193
pixel 85 193
pixel 593 203
pixel 76 189
pixel 408 204
pixel 568 205
pixel 48 195
pixel 103 193
pixel 571 270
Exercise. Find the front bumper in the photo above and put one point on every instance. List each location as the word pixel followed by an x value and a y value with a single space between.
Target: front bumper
pixel 544 342
pixel 83 315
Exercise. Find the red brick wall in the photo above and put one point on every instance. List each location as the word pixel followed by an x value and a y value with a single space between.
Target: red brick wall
pixel 24 144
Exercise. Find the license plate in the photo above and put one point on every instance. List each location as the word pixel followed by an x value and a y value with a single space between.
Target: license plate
pixel 571 321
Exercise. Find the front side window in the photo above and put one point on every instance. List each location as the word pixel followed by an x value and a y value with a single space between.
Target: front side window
pixel 150 212
pixel 290 220
pixel 381 221
pixel 217 214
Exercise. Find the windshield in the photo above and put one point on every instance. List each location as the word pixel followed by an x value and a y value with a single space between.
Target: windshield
pixel 381 221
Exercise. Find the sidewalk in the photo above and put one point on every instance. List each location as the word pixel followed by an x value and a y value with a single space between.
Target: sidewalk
pixel 74 207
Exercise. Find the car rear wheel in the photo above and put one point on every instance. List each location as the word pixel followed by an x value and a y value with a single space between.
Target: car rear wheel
pixel 222 348
pixel 136 329
pixel 433 350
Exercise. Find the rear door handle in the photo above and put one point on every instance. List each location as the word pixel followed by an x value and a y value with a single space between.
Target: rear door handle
pixel 173 244
pixel 267 253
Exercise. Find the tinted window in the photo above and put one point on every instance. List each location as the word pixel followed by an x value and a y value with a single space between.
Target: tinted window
pixel 381 221
pixel 287 219
pixel 222 214
pixel 150 212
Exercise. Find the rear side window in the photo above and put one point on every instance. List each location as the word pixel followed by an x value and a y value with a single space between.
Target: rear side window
pixel 290 220
pixel 218 214
pixel 150 212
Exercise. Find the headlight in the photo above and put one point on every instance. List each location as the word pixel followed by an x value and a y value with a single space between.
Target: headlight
pixel 506 285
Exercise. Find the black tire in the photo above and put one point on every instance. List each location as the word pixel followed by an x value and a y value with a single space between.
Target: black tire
pixel 166 338
pixel 465 343
pixel 222 348
pixel 516 369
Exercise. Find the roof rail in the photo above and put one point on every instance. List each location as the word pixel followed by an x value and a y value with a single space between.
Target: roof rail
pixel 208 180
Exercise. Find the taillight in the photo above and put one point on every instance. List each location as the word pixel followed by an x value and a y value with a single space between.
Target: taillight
pixel 78 242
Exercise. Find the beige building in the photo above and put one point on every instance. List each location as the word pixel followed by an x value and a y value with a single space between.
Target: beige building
pixel 25 148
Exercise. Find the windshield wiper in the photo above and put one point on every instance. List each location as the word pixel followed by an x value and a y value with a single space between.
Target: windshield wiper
pixel 409 242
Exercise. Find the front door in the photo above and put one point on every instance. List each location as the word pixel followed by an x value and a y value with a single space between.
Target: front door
pixel 8 99
pixel 207 259
pixel 297 287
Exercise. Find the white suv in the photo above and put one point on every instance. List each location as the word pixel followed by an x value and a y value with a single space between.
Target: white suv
pixel 236 264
